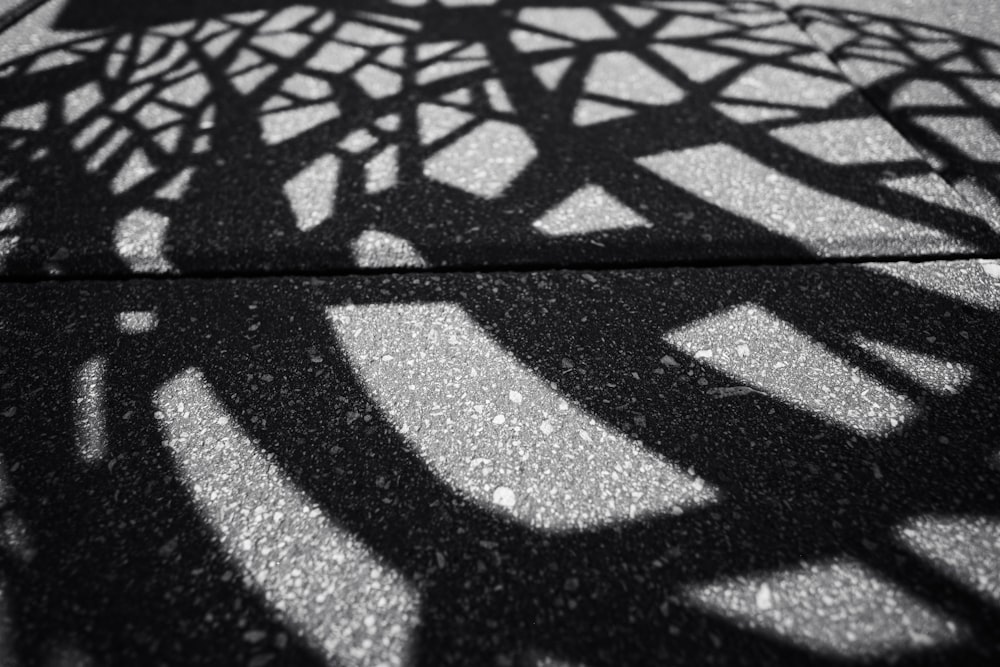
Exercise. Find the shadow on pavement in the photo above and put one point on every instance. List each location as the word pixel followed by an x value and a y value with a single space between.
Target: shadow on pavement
pixel 312 139
pixel 937 85
pixel 114 556
pixel 122 557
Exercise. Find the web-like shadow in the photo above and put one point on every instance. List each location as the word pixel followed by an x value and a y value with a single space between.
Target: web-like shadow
pixel 311 139
pixel 798 491
pixel 116 560
pixel 939 86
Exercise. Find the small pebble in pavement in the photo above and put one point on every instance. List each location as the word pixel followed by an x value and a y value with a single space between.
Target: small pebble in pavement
pixel 504 497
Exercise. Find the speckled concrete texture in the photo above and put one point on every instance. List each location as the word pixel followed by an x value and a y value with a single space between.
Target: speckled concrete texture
pixel 726 466
pixel 263 138
pixel 934 69
pixel 498 333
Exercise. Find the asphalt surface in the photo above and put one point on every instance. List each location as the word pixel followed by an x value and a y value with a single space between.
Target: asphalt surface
pixel 309 140
pixel 934 70
pixel 485 333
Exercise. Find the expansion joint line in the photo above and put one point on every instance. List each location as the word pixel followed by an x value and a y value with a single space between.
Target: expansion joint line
pixel 527 267
pixel 872 96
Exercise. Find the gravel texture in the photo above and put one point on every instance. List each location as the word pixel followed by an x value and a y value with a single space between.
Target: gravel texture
pixel 728 466
pixel 180 140
pixel 933 69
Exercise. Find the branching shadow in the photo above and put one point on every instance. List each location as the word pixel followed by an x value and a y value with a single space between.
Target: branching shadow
pixel 311 139
pixel 115 560
pixel 937 85
pixel 784 504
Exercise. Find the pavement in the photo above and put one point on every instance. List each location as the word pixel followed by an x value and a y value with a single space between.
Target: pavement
pixel 444 332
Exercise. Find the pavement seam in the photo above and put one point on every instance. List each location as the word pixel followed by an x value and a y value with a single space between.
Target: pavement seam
pixel 947 174
pixel 361 272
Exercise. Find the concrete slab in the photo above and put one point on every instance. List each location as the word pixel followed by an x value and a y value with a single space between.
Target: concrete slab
pixel 934 69
pixel 745 465
pixel 248 137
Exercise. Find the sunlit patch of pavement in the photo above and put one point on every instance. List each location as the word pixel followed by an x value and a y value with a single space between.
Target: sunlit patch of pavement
pixel 322 580
pixel 551 416
pixel 495 431
pixel 551 468
pixel 649 133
